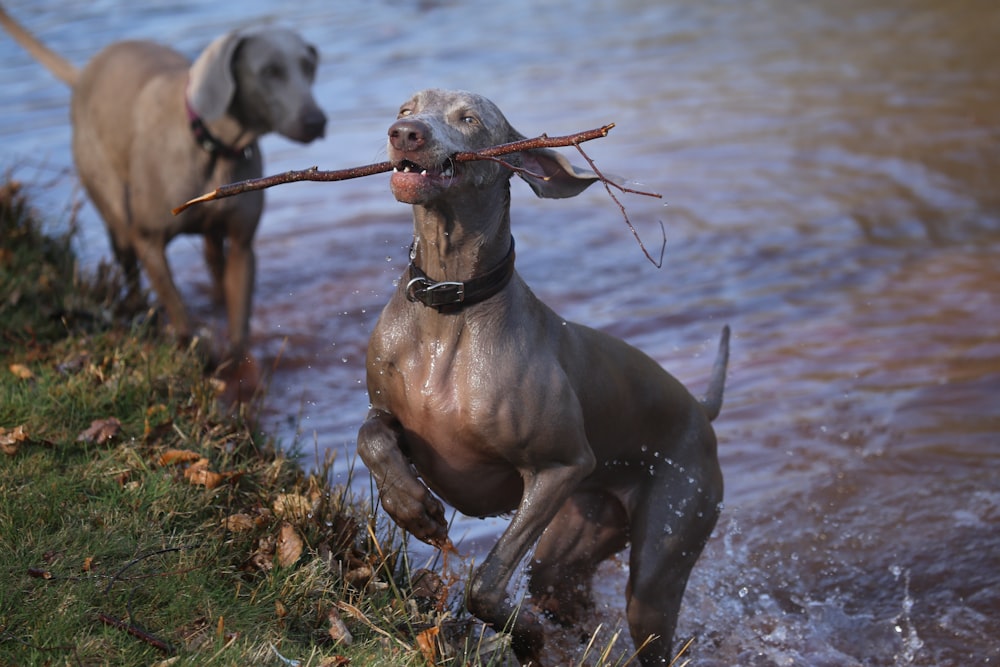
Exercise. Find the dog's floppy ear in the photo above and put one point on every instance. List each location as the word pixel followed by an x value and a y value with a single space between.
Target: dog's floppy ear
pixel 211 84
pixel 564 180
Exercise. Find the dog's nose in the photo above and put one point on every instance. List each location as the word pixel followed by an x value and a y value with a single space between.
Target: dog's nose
pixel 408 135
pixel 314 123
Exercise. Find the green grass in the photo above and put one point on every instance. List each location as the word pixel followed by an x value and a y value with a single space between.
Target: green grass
pixel 112 555
pixel 140 524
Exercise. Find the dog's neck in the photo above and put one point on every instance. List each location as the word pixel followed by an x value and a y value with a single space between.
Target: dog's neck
pixel 224 137
pixel 463 237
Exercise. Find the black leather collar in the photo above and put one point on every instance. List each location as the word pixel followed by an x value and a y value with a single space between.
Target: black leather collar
pixel 450 296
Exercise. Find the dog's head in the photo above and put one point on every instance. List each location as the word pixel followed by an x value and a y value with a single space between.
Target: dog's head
pixel 434 125
pixel 263 77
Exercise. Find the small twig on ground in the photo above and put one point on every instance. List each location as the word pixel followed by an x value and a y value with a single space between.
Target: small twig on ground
pixel 143 557
pixel 136 632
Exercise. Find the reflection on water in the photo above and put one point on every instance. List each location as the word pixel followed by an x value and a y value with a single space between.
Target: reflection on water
pixel 830 175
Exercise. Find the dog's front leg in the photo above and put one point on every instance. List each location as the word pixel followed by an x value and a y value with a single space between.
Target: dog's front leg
pixel 151 250
pixel 404 497
pixel 240 272
pixel 545 491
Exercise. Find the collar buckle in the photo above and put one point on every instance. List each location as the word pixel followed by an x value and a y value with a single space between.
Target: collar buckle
pixel 450 296
pixel 435 295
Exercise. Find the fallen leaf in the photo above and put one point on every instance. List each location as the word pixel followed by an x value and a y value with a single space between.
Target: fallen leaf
pixel 88 563
pixel 167 663
pixel 289 545
pixel 199 474
pixel 426 642
pixel 360 575
pixel 292 505
pixel 335 661
pixel 218 386
pixel 10 441
pixel 338 631
pixel 239 522
pixel 101 431
pixel 427 584
pixel 172 456
pixel 280 610
pixel 73 364
pixel 21 371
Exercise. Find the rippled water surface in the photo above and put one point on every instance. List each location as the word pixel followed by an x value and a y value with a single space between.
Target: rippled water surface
pixel 831 179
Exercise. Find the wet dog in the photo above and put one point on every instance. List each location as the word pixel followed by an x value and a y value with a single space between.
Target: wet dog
pixel 482 395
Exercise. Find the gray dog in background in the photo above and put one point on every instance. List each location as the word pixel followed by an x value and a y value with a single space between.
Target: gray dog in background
pixel 152 130
pixel 484 396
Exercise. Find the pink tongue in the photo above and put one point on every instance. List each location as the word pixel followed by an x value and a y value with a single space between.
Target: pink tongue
pixel 410 188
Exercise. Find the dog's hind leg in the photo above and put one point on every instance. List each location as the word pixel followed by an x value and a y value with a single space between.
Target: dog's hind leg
pixel 672 519
pixel 589 528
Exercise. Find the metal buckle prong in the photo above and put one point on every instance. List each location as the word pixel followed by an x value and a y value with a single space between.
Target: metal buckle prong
pixel 434 294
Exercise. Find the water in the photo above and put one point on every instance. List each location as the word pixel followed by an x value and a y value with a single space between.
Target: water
pixel 829 172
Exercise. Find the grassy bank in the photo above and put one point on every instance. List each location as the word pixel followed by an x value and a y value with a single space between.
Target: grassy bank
pixel 142 525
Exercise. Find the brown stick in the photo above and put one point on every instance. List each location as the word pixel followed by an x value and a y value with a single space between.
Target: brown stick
pixel 136 632
pixel 314 174
pixel 491 153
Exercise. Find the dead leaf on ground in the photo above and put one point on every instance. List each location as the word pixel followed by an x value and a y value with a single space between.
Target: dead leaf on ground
pixel 199 474
pixel 101 431
pixel 74 364
pixel 10 440
pixel 289 546
pixel 169 662
pixel 21 371
pixel 335 661
pixel 359 576
pixel 292 506
pixel 338 631
pixel 427 643
pixel 88 563
pixel 239 522
pixel 172 456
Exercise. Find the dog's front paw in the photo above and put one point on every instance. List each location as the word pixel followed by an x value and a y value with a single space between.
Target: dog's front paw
pixel 420 514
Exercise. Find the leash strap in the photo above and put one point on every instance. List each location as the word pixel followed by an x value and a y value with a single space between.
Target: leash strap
pixel 451 296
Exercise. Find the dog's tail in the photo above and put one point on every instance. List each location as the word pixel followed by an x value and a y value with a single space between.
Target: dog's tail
pixel 63 69
pixel 712 403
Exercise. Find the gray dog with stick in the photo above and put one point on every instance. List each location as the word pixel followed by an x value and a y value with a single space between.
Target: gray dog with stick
pixel 483 395
pixel 151 129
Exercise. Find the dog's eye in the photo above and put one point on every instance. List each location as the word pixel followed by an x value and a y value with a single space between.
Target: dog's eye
pixel 470 120
pixel 273 71
pixel 405 111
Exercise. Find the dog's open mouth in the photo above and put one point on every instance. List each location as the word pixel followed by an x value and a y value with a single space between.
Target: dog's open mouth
pixel 446 170
pixel 414 183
